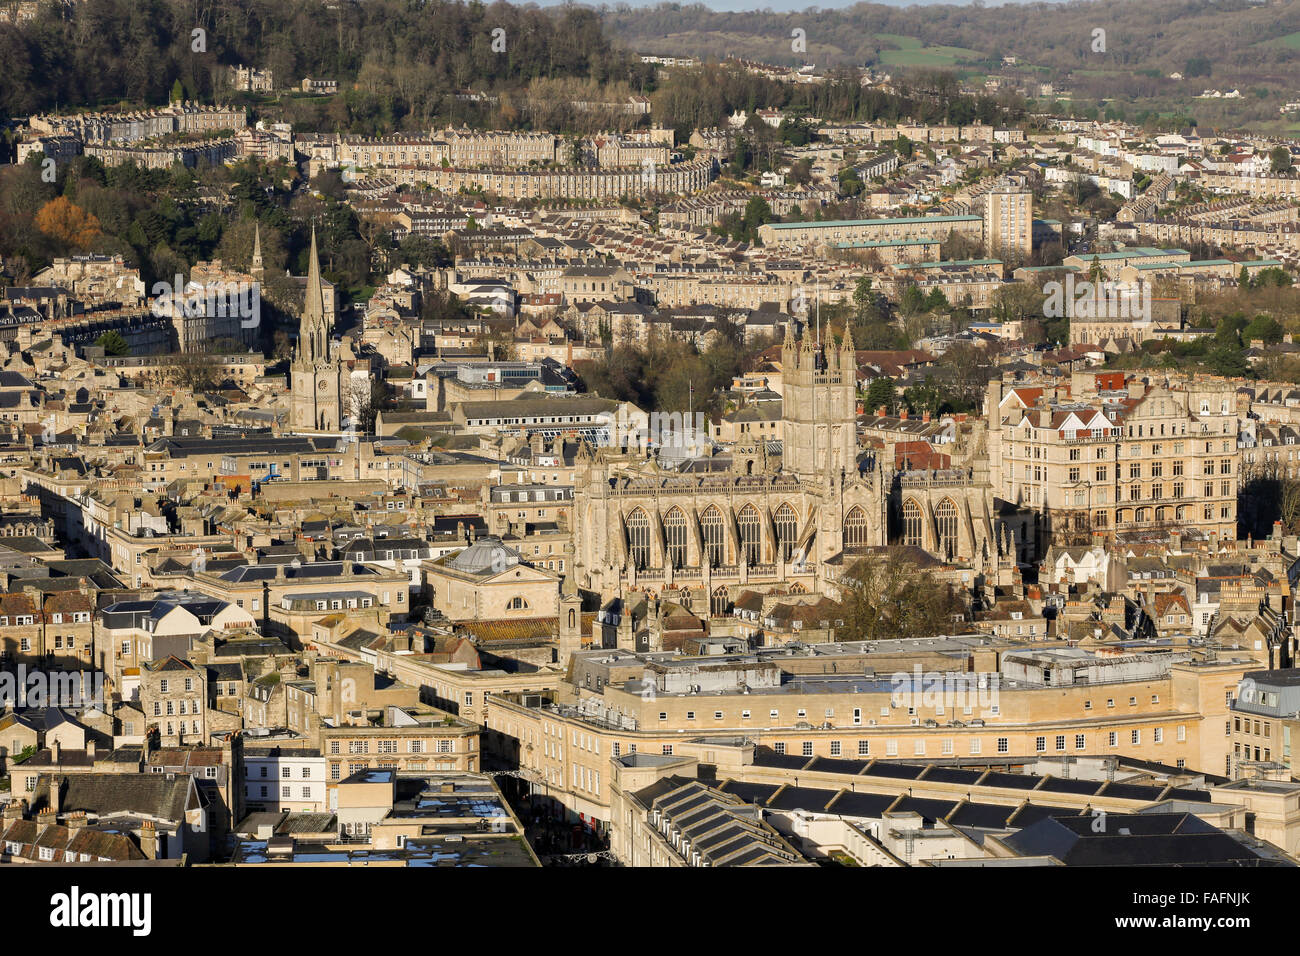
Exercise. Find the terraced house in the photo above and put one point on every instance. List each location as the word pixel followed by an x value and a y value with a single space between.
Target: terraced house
pixel 50 630
pixel 174 695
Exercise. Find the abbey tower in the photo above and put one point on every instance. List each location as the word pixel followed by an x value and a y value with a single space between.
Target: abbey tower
pixel 819 411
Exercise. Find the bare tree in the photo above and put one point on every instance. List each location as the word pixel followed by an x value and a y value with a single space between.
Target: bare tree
pixel 1270 492
pixel 192 371
pixel 366 400
pixel 886 597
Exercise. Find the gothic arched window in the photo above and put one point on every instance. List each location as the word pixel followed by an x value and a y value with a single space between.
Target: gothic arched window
pixel 715 538
pixel 945 520
pixel 787 527
pixel 751 535
pixel 855 529
pixel 912 523
pixel 638 538
pixel 675 537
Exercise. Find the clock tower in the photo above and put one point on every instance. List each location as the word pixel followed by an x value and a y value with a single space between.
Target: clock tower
pixel 317 376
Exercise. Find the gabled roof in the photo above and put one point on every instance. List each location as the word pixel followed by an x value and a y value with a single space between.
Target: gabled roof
pixel 1167 603
pixel 171 663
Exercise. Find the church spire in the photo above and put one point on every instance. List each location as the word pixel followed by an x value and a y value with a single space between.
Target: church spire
pixel 313 337
pixel 314 304
pixel 257 269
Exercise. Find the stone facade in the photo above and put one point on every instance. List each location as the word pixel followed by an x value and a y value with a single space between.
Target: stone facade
pixel 317 376
pixel 705 532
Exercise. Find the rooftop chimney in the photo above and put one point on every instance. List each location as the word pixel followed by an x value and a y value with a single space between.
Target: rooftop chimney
pixel 149 840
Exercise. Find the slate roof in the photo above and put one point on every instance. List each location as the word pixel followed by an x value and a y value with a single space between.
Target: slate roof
pixel 1156 839
pixel 164 796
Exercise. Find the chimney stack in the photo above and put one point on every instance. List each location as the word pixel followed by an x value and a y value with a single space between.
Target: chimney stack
pixel 149 840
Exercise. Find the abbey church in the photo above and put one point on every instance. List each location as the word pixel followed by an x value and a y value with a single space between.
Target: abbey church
pixel 794 514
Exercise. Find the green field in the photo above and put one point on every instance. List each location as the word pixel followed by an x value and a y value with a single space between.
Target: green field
pixel 911 52
pixel 1291 41
pixel 1279 127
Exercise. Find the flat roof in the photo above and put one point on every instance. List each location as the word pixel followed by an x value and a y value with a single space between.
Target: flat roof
pixel 910 220
pixel 1135 252
pixel 956 262
pixel 882 243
